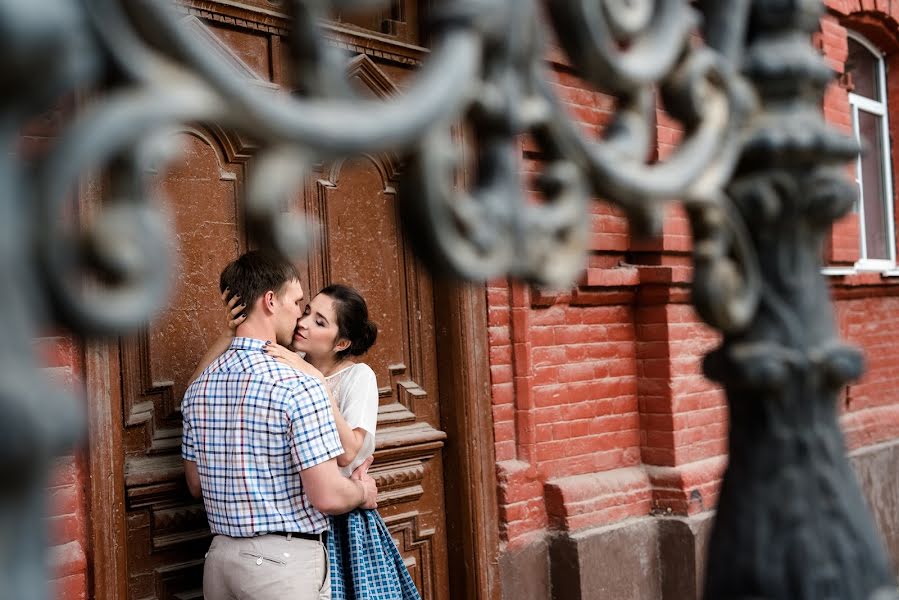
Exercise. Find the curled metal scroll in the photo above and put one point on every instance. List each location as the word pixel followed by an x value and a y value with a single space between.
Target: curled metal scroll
pixel 109 273
pixel 175 80
pixel 338 126
pixel 487 64
pixel 640 52
pixel 493 228
pixel 38 421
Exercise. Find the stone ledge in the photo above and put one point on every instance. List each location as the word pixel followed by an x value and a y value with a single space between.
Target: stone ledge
pixel 877 469
pixel 657 557
pixel 649 558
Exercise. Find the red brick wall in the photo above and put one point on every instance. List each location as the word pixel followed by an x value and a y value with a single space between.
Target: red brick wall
pixel 600 409
pixel 67 515
pixel 871 406
pixel 866 303
pixel 68 529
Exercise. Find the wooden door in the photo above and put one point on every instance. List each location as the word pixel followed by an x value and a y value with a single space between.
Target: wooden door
pixel 163 530
pixel 362 245
pixel 166 531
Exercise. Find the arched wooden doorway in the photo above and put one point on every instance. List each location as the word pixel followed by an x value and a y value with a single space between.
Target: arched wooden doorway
pixel 434 459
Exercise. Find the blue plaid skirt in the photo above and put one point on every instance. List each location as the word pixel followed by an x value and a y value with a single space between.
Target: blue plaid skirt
pixel 365 563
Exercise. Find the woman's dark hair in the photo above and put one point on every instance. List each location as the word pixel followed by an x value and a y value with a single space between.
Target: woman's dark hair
pixel 352 319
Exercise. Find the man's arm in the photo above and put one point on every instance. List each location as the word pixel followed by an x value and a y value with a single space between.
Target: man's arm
pixel 333 494
pixel 217 348
pixel 193 478
pixel 235 316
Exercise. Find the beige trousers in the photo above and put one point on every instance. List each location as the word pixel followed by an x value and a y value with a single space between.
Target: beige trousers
pixel 266 567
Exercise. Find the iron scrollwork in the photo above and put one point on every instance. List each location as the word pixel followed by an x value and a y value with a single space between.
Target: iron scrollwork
pixel 788 474
pixel 757 171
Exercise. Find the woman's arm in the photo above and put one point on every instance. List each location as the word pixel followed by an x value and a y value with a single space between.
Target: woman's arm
pixel 359 410
pixel 235 317
pixel 351 439
pixel 217 348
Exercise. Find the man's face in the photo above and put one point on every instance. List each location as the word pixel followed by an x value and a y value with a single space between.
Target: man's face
pixel 288 310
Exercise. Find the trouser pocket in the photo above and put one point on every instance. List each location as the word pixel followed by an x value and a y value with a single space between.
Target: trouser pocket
pixel 261 559
pixel 326 569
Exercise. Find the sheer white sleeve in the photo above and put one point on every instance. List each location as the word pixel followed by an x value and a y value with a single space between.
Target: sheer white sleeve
pixel 357 398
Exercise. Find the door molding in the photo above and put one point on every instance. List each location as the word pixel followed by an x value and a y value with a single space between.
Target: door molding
pixel 469 457
pixel 107 563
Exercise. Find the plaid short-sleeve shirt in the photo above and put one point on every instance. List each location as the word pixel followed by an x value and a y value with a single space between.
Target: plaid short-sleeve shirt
pixel 252 424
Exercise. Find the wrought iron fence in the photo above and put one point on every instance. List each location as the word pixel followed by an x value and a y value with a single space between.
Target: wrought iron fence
pixel 758 170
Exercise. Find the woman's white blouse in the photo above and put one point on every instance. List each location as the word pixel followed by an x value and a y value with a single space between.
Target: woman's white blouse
pixel 356 391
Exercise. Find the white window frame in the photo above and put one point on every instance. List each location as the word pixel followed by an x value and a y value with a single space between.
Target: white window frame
pixel 878 108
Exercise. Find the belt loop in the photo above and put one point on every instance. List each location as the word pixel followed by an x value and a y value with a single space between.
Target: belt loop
pixel 289 536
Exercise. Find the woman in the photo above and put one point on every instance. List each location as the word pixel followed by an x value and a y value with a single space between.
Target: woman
pixel 334 329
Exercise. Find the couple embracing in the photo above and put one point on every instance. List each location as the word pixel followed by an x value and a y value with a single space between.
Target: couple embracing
pixel 279 446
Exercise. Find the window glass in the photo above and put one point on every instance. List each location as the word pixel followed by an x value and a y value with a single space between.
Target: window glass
pixel 873 193
pixel 874 176
pixel 863 66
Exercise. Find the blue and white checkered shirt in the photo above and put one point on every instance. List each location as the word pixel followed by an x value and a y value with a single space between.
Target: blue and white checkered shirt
pixel 252 424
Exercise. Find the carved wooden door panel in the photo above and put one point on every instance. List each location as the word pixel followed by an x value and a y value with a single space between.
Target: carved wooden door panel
pixel 167 534
pixel 166 530
pixel 363 246
pixel 361 243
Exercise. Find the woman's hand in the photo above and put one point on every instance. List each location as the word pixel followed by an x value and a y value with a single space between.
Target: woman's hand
pixel 292 359
pixel 362 470
pixel 234 310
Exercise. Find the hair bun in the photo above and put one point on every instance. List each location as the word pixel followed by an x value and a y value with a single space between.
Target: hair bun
pixel 352 319
pixel 366 340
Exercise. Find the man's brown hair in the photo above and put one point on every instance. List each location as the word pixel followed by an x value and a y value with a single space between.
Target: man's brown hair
pixel 254 273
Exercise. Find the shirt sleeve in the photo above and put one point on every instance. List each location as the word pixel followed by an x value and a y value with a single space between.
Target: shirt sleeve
pixel 359 399
pixel 188 443
pixel 313 433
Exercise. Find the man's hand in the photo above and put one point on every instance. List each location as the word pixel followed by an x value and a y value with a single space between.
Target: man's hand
pixel 369 489
pixel 333 494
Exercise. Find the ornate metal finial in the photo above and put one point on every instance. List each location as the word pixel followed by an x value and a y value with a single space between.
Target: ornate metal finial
pixel 789 501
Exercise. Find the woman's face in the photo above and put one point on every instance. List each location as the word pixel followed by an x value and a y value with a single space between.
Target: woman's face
pixel 316 333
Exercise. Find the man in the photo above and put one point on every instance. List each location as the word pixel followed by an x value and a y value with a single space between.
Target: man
pixel 260 447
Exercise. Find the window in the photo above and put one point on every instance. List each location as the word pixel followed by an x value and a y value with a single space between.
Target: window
pixel 868 102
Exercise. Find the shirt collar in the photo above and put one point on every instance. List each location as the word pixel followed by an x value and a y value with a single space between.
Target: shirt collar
pixel 245 343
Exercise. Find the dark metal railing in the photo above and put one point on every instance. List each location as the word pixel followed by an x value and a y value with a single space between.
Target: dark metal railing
pixel 758 171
